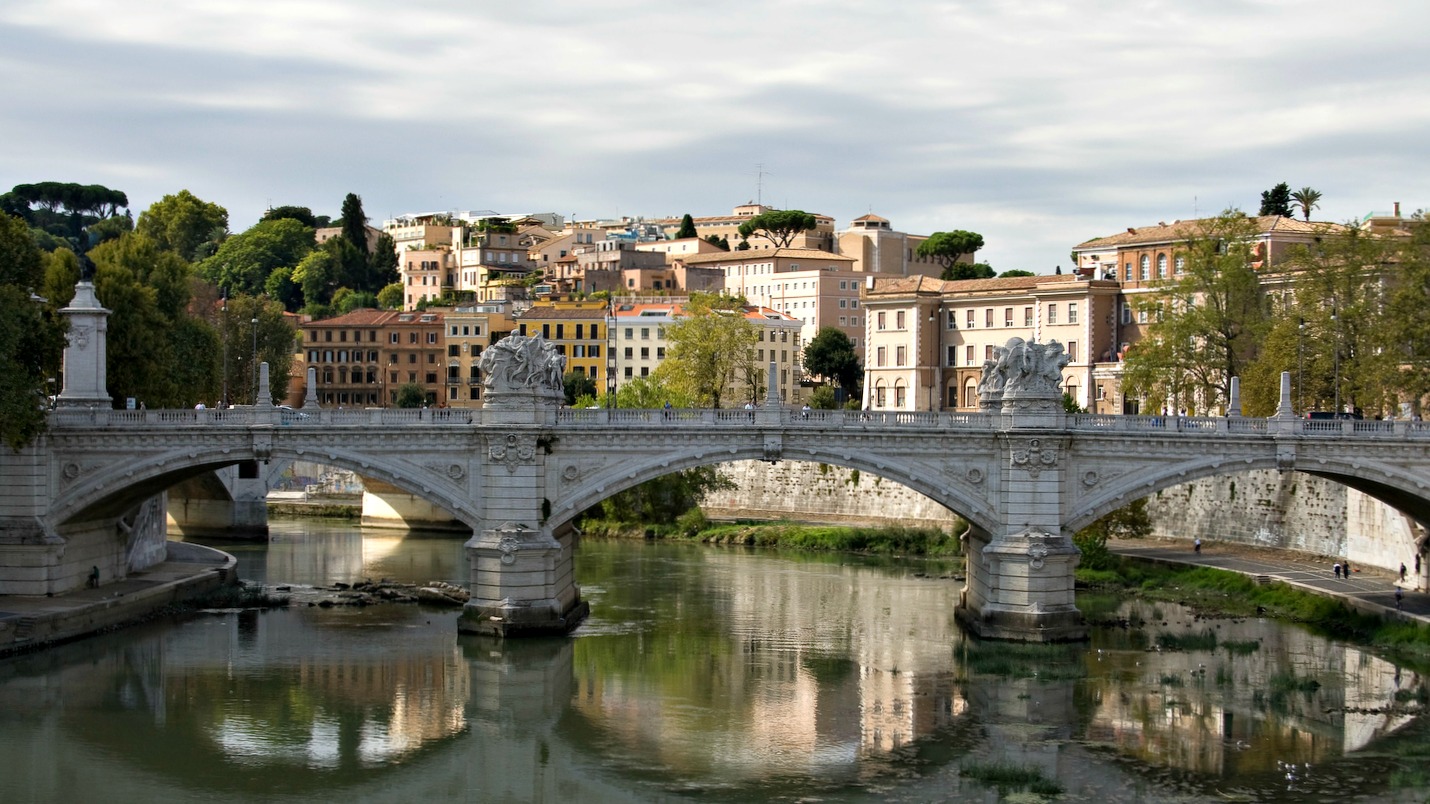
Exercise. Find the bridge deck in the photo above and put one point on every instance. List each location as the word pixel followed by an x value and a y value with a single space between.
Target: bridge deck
pixel 81 418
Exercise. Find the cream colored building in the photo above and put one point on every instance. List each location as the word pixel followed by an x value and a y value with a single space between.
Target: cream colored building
pixel 820 238
pixel 815 287
pixel 928 339
pixel 878 249
pixel 640 327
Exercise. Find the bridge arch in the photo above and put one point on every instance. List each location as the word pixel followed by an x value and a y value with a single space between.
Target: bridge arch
pixel 606 482
pixel 109 495
pixel 1397 487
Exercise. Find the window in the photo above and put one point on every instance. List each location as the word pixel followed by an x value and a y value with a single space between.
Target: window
pixel 899 319
pixel 645 333
pixel 879 397
pixel 1144 266
pixel 988 317
pixel 988 352
pixel 1126 313
pixel 901 355
pixel 1180 265
pixel 1007 316
pixel 968 355
pixel 970 320
pixel 880 319
pixel 1052 314
pixel 1161 266
pixel 1128 275
pixel 951 358
pixel 645 353
pixel 453 350
pixel 1072 312
pixel 882 355
pixel 1072 351
pixel 952 320
pixel 630 352
pixel 1027 316
pixel 1141 316
pixel 899 392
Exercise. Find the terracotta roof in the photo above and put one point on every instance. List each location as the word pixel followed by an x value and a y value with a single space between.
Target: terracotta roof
pixel 365 317
pixel 923 284
pixel 562 313
pixel 872 218
pixel 1178 231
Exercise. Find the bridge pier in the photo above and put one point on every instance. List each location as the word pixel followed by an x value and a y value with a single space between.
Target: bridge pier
pixel 522 574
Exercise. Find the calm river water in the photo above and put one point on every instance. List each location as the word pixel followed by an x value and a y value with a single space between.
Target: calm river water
pixel 703 674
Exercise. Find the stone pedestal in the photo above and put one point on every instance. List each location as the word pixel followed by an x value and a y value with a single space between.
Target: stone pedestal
pixel 86 354
pixel 1020 587
pixel 522 584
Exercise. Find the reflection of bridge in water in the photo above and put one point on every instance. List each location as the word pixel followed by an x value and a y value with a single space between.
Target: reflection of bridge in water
pixel 839 684
pixel 519 470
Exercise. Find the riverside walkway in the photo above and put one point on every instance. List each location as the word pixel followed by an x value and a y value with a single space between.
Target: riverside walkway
pixel 32 621
pixel 1370 590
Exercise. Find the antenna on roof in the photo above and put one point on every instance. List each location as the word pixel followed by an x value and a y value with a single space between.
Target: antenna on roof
pixel 760 183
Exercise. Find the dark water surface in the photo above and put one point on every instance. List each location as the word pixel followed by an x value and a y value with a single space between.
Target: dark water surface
pixel 703 674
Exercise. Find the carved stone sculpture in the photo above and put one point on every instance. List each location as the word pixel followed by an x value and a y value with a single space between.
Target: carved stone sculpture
pixel 518 364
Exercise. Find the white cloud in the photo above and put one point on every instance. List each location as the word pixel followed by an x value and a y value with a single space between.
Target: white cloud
pixel 1038 124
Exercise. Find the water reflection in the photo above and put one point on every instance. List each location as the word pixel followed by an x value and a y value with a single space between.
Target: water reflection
pixel 724 674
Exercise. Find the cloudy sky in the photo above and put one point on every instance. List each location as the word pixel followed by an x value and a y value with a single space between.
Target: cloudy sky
pixel 1037 124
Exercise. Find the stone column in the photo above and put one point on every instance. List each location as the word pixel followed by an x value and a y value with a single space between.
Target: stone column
pixel 1020 580
pixel 522 575
pixel 85 380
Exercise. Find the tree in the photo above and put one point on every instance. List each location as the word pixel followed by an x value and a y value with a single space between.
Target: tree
pixel 578 384
pixel 947 248
pixel 687 228
pixel 1307 199
pixel 182 223
pixel 711 346
pixel 1276 201
pixel 244 261
pixel 31 336
pixel 355 223
pixel 302 215
pixel 382 265
pixel 411 395
pixel 831 355
pixel 716 240
pixel 1016 272
pixel 390 297
pixel 1208 323
pixel 778 226
pixel 1406 331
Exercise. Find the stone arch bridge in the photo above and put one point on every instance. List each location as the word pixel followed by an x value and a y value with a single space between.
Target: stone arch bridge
pixel 517 474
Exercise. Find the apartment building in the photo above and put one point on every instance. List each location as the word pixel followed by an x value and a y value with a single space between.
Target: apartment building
pixel 816 287
pixel 820 238
pixel 364 356
pixel 578 329
pixel 928 339
pixel 470 330
pixel 640 327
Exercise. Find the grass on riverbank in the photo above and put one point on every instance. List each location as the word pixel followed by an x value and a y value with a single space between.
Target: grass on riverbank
pixel 923 542
pixel 1234 594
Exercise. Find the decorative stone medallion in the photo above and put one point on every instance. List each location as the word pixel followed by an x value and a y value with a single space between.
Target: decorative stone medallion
pixel 514 450
pixel 1035 459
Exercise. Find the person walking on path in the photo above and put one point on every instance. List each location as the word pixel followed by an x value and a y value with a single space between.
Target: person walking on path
pixel 1402 572
pixel 1346 568
pixel 1336 569
pixel 1399 596
pixel 1197 546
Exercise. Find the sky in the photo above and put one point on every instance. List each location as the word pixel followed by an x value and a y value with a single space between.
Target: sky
pixel 1036 124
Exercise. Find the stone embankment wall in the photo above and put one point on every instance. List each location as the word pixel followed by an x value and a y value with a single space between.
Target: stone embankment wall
pixel 1289 510
pixel 822 493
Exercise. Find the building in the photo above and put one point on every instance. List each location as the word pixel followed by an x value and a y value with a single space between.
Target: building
pixel 470 329
pixel 363 357
pixel 640 328
pixel 820 238
pixel 928 339
pixel 816 287
pixel 577 328
pixel 878 249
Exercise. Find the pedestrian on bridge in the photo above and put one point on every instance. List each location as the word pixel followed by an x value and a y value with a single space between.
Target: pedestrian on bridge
pixel 1399 596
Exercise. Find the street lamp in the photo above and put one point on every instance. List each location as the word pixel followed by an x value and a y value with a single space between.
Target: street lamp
pixel 1300 362
pixel 224 402
pixel 1336 360
pixel 255 360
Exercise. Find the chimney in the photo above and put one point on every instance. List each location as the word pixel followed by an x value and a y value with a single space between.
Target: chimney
pixel 1397 209
pixel 1130 230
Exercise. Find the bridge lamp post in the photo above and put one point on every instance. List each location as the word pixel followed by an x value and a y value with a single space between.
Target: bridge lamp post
pixel 255 359
pixel 1300 362
pixel 223 403
pixel 1336 360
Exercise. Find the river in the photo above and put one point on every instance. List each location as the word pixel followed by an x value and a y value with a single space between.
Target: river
pixel 702 674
